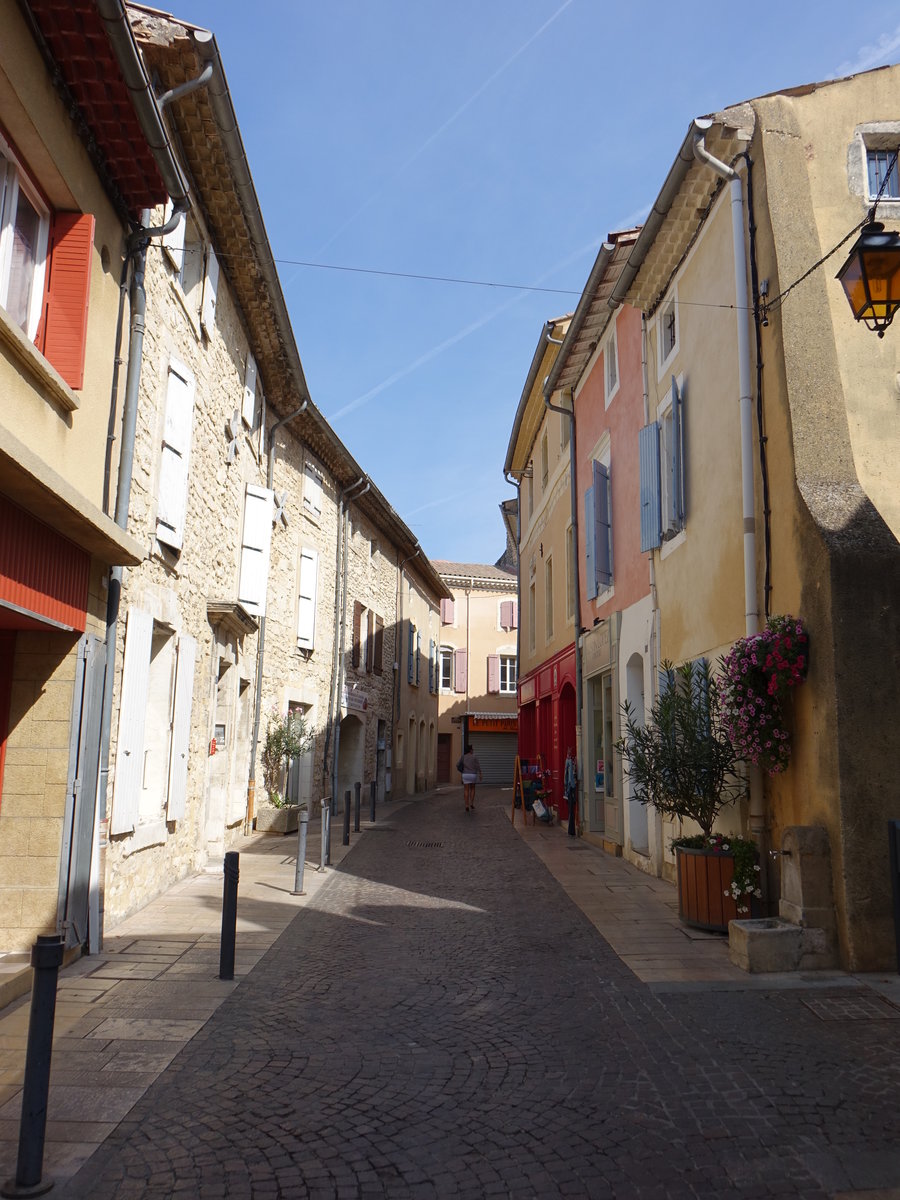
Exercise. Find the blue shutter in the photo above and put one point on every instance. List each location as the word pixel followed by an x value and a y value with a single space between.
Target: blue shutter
pixel 431 665
pixel 418 655
pixel 602 526
pixel 409 661
pixel 590 562
pixel 677 476
pixel 648 447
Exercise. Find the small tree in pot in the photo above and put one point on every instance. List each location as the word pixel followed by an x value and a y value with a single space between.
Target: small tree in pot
pixel 287 737
pixel 682 763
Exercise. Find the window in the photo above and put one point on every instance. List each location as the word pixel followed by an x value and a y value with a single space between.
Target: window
pixel 883 164
pixel 532 618
pixel 312 490
pixel 529 489
pixel 507 674
pixel 248 408
pixel 24 230
pixel 667 332
pixel 548 598
pixel 570 573
pixel 256 541
pixel 306 602
pixel 545 462
pixel 45 270
pixel 661 453
pixel 154 723
pixel 196 269
pixel 357 645
pixel 565 431
pixel 446 669
pixel 411 654
pixel 611 362
pixel 598 529
pixel 175 456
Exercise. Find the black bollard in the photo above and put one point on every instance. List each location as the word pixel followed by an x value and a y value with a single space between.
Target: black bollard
pixel 46 959
pixel 229 915
pixel 357 787
pixel 373 789
pixel 346 838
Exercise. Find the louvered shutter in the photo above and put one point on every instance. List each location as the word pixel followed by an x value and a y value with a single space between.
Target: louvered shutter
pixel 460 670
pixel 677 464
pixel 181 728
pixel 132 714
pixel 357 633
pixel 493 673
pixel 431 665
pixel 648 450
pixel 410 665
pixel 370 640
pixel 210 289
pixel 306 607
pixel 63 329
pixel 312 490
pixel 602 526
pixel 515 614
pixel 256 541
pixel 506 620
pixel 447 612
pixel 418 656
pixel 590 558
pixel 173 242
pixel 175 457
pixel 248 409
pixel 378 666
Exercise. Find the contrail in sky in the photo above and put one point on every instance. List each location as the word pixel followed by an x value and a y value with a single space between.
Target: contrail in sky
pixel 871 56
pixel 445 126
pixel 627 223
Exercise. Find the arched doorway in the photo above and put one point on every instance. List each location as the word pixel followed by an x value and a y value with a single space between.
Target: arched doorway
pixel 351 758
pixel 566 741
pixel 637 812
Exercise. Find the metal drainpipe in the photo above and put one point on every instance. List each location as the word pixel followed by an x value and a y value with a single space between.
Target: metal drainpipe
pixel 577 585
pixel 336 711
pixel 261 644
pixel 400 566
pixel 743 307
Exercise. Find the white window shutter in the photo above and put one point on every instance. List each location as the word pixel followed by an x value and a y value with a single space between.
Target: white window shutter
pixel 175 457
pixel 312 489
pixel 181 728
pixel 173 242
pixel 256 541
pixel 210 290
pixel 306 608
pixel 132 714
pixel 248 411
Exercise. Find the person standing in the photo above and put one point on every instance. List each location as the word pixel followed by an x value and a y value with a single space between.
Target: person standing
pixel 471 773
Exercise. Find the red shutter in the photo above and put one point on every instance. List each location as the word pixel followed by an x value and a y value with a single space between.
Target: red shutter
pixel 379 645
pixel 66 293
pixel 460 670
pixel 493 672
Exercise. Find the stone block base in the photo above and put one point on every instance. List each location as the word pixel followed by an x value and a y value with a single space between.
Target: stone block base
pixel 278 820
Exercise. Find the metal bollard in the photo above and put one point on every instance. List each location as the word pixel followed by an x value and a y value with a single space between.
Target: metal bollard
pixel 346 838
pixel 46 959
pixel 301 852
pixel 325 858
pixel 229 915
pixel 373 789
pixel 357 787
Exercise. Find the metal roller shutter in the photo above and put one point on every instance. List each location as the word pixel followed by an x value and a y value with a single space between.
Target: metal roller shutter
pixel 497 754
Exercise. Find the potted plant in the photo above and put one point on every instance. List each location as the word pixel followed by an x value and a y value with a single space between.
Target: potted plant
pixel 682 763
pixel 287 737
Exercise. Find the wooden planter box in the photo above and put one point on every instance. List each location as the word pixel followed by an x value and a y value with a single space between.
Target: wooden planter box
pixel 703 879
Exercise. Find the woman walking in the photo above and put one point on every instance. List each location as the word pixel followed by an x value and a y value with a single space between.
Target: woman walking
pixel 471 772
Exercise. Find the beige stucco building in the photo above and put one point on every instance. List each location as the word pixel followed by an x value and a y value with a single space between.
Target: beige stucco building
pixel 477 670
pixel 749 334
pixel 538 461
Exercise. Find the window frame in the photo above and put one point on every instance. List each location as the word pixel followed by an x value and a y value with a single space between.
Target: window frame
pixel 13 180
pixel 664 356
pixel 507 687
pixel 610 355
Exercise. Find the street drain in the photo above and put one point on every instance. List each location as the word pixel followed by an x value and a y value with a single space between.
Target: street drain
pixel 852 1008
pixel 425 845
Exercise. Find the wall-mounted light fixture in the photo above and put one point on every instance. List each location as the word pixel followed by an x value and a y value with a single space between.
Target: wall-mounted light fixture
pixel 871 277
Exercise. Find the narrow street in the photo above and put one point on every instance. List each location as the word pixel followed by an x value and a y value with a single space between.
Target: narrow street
pixel 442 1020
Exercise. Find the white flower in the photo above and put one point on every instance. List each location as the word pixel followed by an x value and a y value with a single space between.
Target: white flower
pixel 756 866
pixel 725 846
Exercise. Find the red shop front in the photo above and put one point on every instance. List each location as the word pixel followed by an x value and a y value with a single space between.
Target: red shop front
pixel 547 713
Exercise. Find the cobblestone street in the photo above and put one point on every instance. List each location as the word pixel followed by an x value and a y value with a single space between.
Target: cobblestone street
pixel 441 1020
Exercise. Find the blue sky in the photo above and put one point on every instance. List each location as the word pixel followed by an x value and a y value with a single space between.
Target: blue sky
pixel 480 140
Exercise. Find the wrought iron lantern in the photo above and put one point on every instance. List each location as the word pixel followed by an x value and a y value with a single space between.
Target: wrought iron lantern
pixel 871 277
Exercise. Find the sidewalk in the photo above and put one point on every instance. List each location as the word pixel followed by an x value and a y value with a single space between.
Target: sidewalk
pixel 124 1014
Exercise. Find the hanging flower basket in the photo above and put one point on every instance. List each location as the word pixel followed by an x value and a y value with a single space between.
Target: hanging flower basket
pixel 757 673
